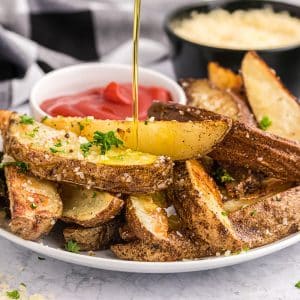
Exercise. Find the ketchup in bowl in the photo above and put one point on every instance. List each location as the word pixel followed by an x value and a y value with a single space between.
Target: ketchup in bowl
pixel 112 102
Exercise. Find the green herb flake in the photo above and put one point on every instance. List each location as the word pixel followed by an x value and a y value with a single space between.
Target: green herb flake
pixel 253 213
pixel 297 285
pixel 222 176
pixel 245 248
pixel 58 144
pixel 106 140
pixel 85 148
pixel 44 119
pixel 54 150
pixel 72 247
pixel 13 294
pixel 24 119
pixel 22 166
pixel 33 205
pixel 265 123
pixel 33 132
pixel 94 195
pixel 224 213
pixel 81 127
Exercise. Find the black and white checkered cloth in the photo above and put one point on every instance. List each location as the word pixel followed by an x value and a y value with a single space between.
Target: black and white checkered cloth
pixel 37 36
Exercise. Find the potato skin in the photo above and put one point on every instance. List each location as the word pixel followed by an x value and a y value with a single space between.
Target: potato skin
pixel 202 217
pixel 243 146
pixel 178 248
pixel 269 220
pixel 26 221
pixel 95 238
pixel 143 178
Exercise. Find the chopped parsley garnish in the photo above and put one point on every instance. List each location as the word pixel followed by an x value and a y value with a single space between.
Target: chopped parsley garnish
pixel 224 213
pixel 22 166
pixel 54 150
pixel 103 140
pixel 58 144
pixel 85 148
pixel 253 213
pixel 81 127
pixel 72 247
pixel 297 285
pixel 24 119
pixel 265 123
pixel 33 205
pixel 222 176
pixel 33 132
pixel 106 140
pixel 94 195
pixel 13 294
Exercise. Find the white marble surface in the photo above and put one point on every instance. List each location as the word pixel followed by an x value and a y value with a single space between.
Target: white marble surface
pixel 272 277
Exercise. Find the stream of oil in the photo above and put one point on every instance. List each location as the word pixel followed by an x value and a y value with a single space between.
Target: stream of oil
pixel 135 72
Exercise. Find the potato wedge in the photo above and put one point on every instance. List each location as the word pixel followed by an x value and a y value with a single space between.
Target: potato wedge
pixel 35 204
pixel 269 98
pixel 57 155
pixel 201 93
pixel 88 207
pixel 243 146
pixel 198 202
pixel 149 223
pixel 146 219
pixel 224 78
pixel 95 238
pixel 269 219
pixel 178 248
pixel 177 140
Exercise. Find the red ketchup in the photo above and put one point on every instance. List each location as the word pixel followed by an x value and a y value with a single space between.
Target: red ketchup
pixel 112 102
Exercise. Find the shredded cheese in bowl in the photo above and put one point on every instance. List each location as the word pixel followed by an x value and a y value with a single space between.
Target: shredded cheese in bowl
pixel 254 29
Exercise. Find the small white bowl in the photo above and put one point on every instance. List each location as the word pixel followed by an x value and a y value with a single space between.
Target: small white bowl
pixel 82 77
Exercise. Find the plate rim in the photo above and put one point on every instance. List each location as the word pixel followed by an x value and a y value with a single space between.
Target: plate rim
pixel 115 264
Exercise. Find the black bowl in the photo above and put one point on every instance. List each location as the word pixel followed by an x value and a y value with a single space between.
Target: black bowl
pixel 191 59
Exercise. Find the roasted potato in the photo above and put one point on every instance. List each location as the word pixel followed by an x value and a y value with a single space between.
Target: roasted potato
pixel 88 207
pixel 224 78
pixel 268 219
pixel 95 238
pixel 179 248
pixel 243 146
pixel 269 99
pixel 149 223
pixel 57 155
pixel 176 140
pixel 198 202
pixel 201 93
pixel 35 204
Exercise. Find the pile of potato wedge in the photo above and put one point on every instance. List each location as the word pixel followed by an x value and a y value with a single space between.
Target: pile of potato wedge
pixel 217 176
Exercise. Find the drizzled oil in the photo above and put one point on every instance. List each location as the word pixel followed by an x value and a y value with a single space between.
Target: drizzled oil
pixel 135 71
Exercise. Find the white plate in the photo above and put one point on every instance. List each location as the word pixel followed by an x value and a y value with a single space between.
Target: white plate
pixel 51 247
